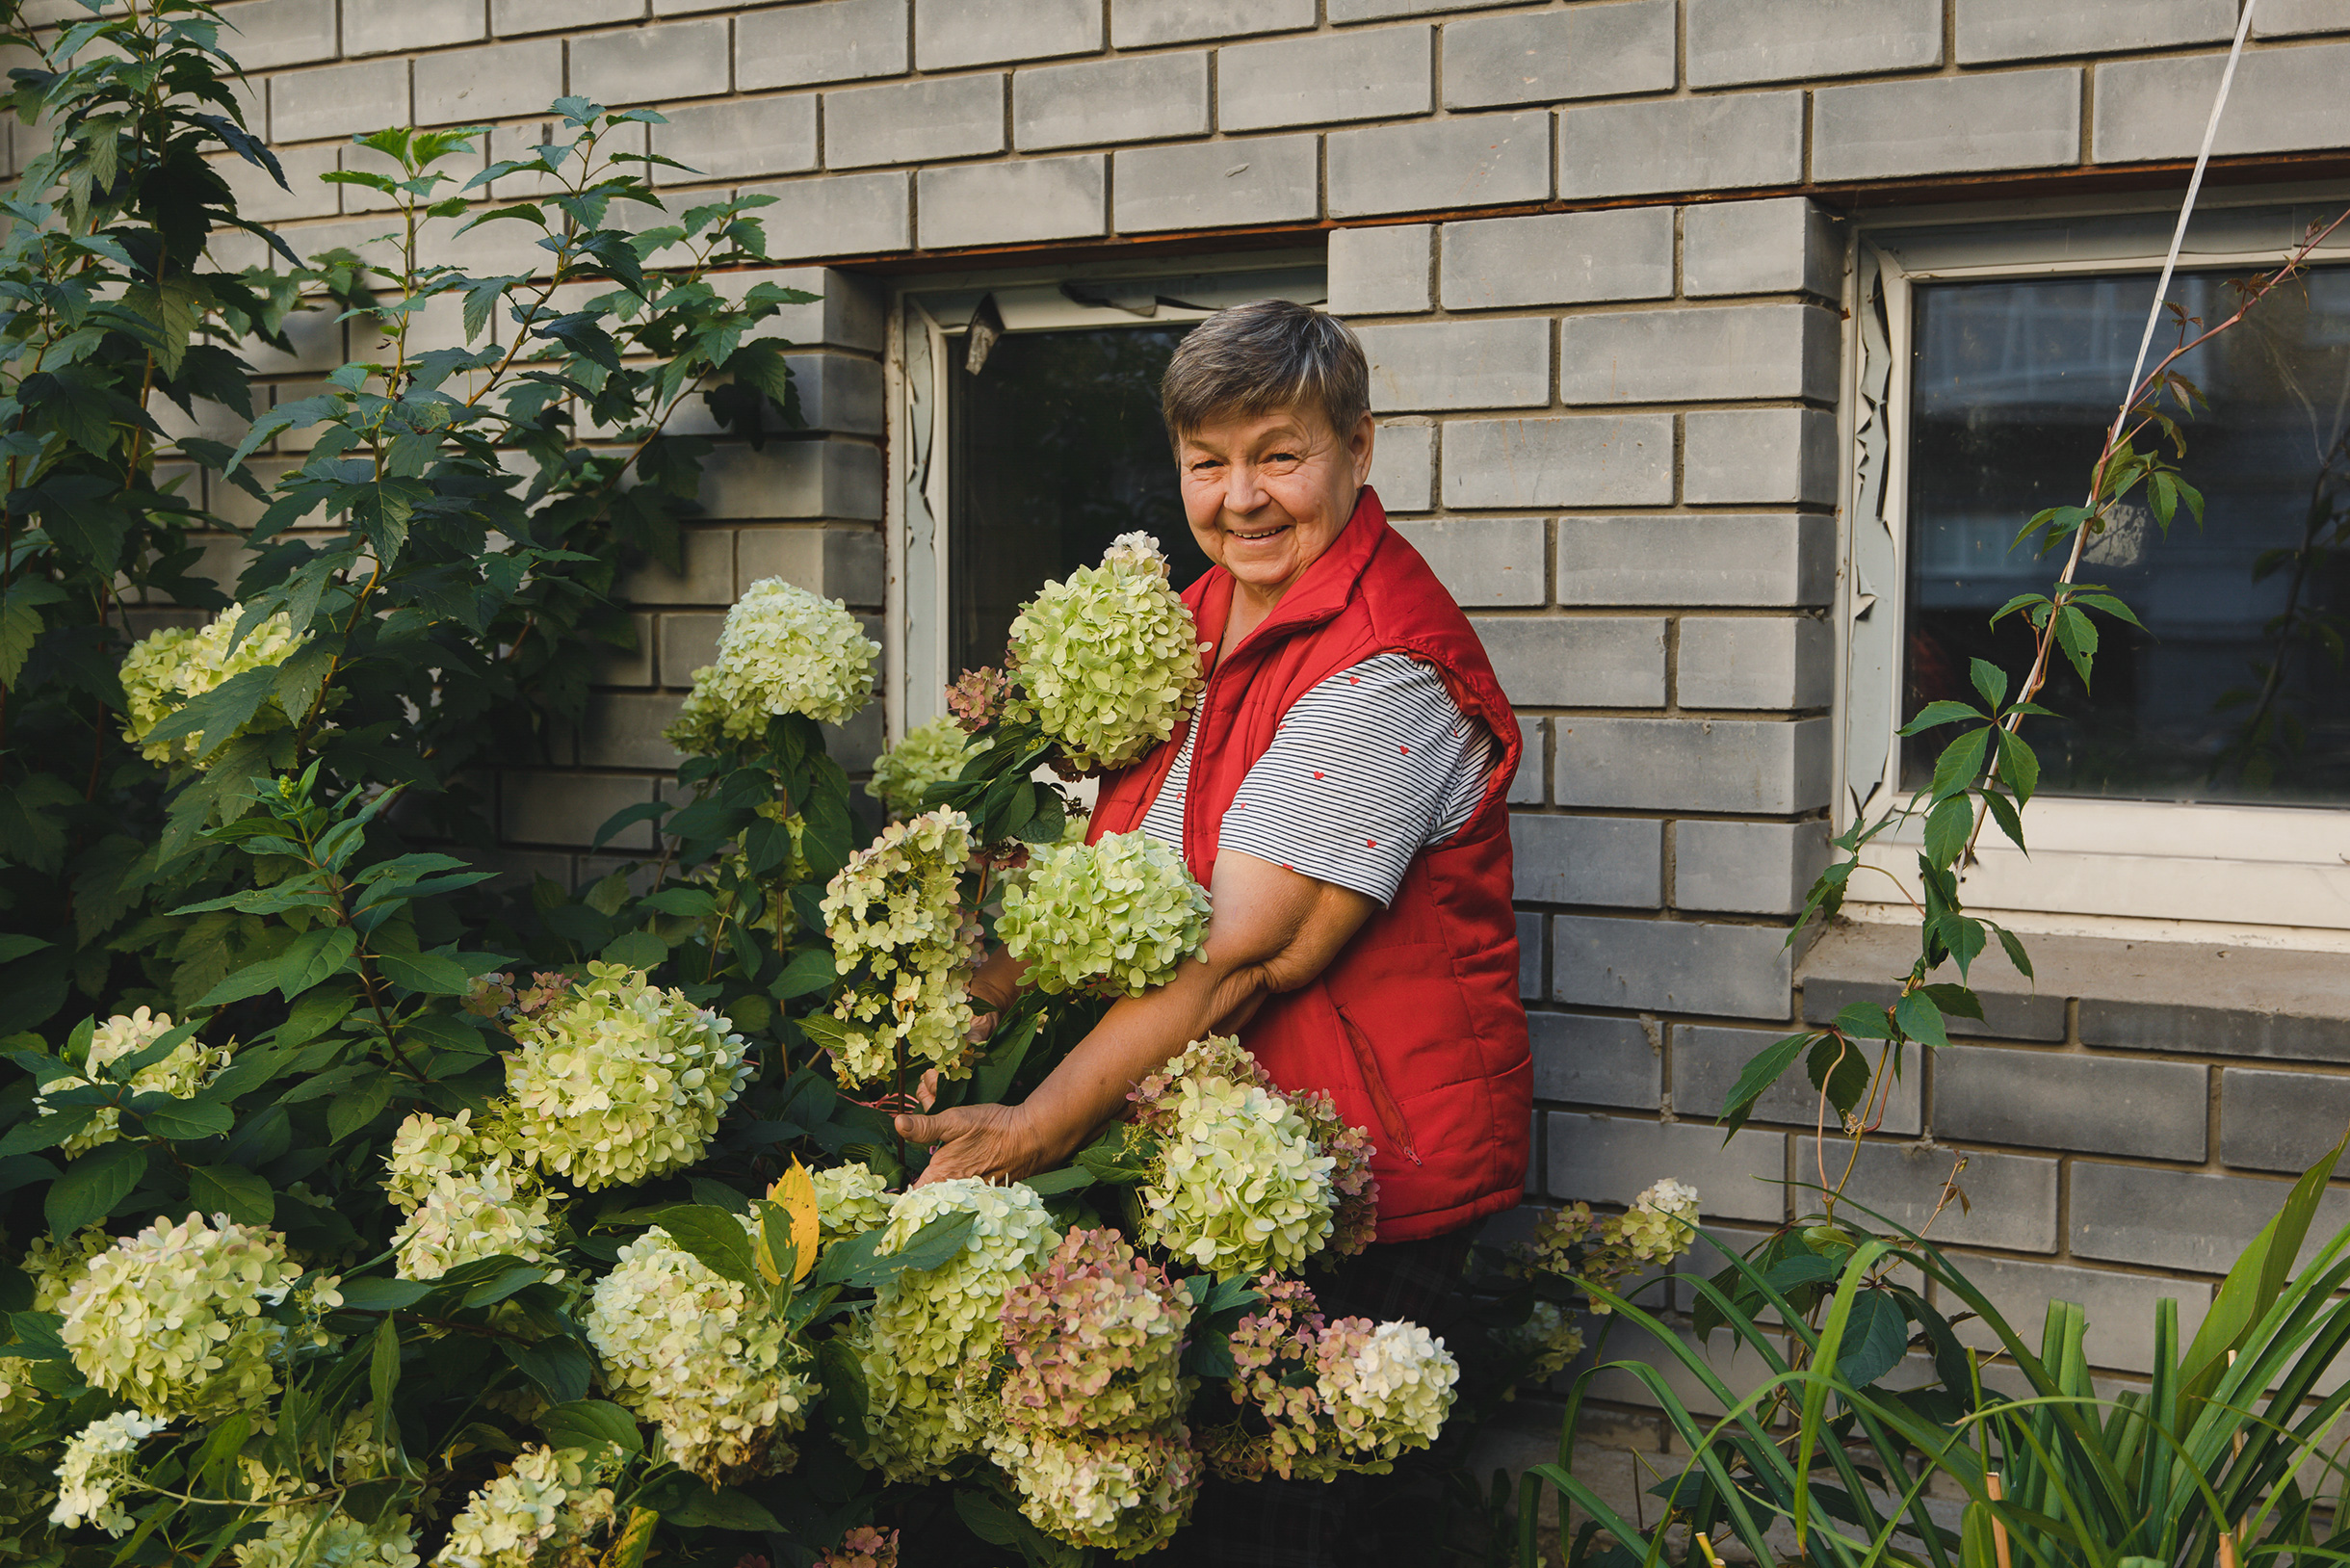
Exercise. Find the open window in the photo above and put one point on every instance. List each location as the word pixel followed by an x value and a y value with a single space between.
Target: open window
pixel 2206 778
pixel 1026 437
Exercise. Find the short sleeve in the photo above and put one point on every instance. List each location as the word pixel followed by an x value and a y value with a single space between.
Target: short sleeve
pixel 1368 768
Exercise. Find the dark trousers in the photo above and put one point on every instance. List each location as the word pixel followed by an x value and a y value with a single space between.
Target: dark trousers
pixel 1278 1523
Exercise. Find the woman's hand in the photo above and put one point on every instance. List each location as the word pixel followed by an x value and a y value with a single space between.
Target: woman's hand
pixel 992 1141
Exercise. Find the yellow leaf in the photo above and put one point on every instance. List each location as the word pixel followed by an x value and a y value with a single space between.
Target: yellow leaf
pixel 794 1191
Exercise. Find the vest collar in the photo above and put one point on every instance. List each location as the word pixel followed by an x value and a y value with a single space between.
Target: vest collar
pixel 1322 593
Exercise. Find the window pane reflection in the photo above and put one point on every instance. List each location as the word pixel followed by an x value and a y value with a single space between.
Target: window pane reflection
pixel 1057 450
pixel 2236 691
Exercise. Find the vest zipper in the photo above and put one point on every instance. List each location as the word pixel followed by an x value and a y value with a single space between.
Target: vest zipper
pixel 1382 1102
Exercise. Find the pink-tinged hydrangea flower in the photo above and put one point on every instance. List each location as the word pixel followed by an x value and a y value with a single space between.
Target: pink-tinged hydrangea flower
pixel 1355 1221
pixel 1238 1185
pixel 864 1547
pixel 978 697
pixel 1095 1340
pixel 1125 1493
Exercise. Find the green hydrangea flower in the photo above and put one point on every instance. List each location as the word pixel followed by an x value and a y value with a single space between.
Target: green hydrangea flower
pixel 783 650
pixel 931 754
pixel 1127 1493
pixel 1114 918
pixel 1238 1184
pixel 1107 659
pixel 166 669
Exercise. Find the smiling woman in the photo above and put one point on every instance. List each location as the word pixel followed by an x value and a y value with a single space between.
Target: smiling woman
pixel 1341 791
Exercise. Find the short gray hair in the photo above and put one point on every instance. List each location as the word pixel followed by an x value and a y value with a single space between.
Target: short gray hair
pixel 1263 358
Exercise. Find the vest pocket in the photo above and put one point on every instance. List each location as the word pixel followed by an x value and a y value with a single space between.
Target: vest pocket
pixel 1392 1120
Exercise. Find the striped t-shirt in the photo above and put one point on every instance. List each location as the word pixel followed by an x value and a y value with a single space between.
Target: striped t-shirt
pixel 1366 768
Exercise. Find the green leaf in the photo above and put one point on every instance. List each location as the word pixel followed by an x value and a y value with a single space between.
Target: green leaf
pixel 2111 606
pixel 1864 1021
pixel 1839 1070
pixel 560 1368
pixel 249 981
pixel 2003 812
pixel 1053 1183
pixel 1874 1339
pixel 1961 763
pixel 2076 634
pixel 1990 680
pixel 1920 1020
pixel 717 1238
pixel 1935 714
pixel 430 973
pixel 316 954
pixel 233 1191
pixel 2253 1285
pixel 383 1370
pixel 375 1293
pixel 1946 829
pixel 2018 767
pixel 353 1111
pixel 2015 951
pixel 182 1119
pixel 809 971
pixel 92 1185
pixel 46 1132
pixel 1766 1068
pixel 590 1424
pixel 638 950
pixel 722 1509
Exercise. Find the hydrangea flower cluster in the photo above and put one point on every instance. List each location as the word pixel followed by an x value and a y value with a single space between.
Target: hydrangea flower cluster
pixel 96 1468
pixel 620 1081
pixel 917 1425
pixel 1355 1221
pixel 850 1200
pixel 547 1501
pixel 1659 1226
pixel 478 1213
pixel 930 754
pixel 54 1265
pixel 170 1319
pixel 1547 1341
pixel 897 910
pixel 978 697
pixel 864 1547
pixel 783 650
pixel 426 1148
pixel 1109 658
pixel 169 668
pixel 1662 1223
pixel 1238 1185
pixel 341 1542
pixel 1095 1340
pixel 1387 1388
pixel 1113 918
pixel 698 1355
pixel 184 1070
pixel 1127 1493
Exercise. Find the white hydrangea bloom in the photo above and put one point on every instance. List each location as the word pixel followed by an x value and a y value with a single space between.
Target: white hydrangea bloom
pixel 1109 658
pixel 480 1213
pixel 1115 917
pixel 1661 1224
pixel 298 1541
pixel 180 1074
pixel 700 1356
pixel 897 909
pixel 547 1501
pixel 426 1148
pixel 620 1081
pixel 95 1468
pixel 931 754
pixel 782 650
pixel 1239 1185
pixel 937 1319
pixel 1392 1391
pixel 162 671
pixel 850 1200
pixel 1127 1493
pixel 170 1319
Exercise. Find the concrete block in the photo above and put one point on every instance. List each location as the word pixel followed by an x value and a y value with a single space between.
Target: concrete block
pixel 1577 661
pixel 1483 561
pixel 270 33
pixel 1716 765
pixel 466 85
pixel 1768 559
pixel 2120 1307
pixel 1379 75
pixel 1726 141
pixel 652 65
pixel 951 33
pixel 1615 1158
pixel 2013 1198
pixel 1614 862
pixel 1742 351
pixel 839 215
pixel 2279 1121
pixel 913 123
pixel 1109 101
pixel 1555 56
pixel 2280 18
pixel 838 392
pixel 622 730
pixel 685 643
pixel 1996 30
pixel 792 478
pixel 1735 41
pixel 1533 943
pixel 1751 662
pixel 1585 1059
pixel 416 25
pixel 2099 1104
pixel 565 809
pixel 2181 1220
pixel 1036 198
pixel 1758 457
pixel 837 563
pixel 1404 465
pixel 707 575
pixel 1136 24
pixel 1780 246
pixel 1342 12
pixel 2285 100
pixel 1469 160
pixel 631 665
pixel 1531 785
pixel 1494 363
pixel 1558 259
pixel 304 193
pixel 1737 867
pixel 508 17
pixel 745 138
pixel 338 100
pixel 1709 1058
pixel 847 312
pixel 1380 271
pixel 841 40
pixel 1946 126
pixel 1670 966
pixel 1570 460
pixel 1853 963
pixel 1265 179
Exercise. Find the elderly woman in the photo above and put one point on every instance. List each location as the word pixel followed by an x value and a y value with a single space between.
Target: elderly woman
pixel 1341 791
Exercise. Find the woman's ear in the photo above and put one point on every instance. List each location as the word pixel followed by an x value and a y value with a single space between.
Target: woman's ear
pixel 1359 444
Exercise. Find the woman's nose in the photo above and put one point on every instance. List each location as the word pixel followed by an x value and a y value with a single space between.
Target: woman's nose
pixel 1242 491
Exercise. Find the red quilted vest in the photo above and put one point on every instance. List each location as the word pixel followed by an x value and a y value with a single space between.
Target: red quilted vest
pixel 1416 1029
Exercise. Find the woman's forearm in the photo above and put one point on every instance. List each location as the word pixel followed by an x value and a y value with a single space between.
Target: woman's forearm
pixel 1135 1037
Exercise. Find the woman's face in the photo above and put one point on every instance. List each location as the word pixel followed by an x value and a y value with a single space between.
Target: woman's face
pixel 1267 494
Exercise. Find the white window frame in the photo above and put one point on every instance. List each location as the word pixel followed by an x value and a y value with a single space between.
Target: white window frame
pixel 931 319
pixel 2248 875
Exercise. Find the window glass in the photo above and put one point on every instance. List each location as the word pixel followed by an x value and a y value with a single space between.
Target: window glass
pixel 2236 689
pixel 1057 450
